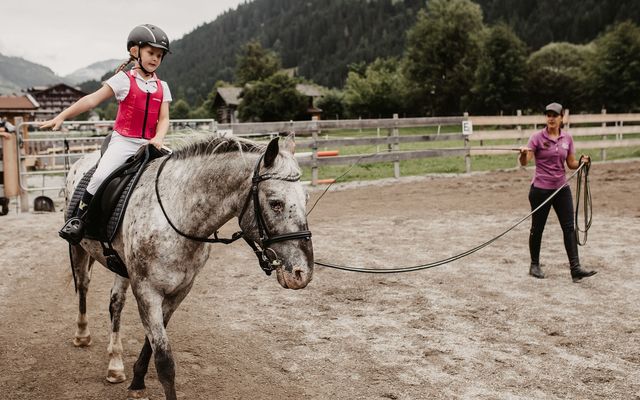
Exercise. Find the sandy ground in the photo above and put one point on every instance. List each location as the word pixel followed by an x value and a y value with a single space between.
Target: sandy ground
pixel 478 328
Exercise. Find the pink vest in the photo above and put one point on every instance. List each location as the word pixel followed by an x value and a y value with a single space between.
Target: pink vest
pixel 138 113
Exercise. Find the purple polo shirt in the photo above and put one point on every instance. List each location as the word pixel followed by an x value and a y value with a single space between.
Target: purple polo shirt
pixel 550 155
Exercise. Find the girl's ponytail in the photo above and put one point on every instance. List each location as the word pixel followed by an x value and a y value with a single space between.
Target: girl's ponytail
pixel 124 64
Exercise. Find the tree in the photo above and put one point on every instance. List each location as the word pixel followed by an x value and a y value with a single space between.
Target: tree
pixel 180 110
pixel 500 77
pixel 332 104
pixel 614 73
pixel 379 92
pixel 255 64
pixel 441 55
pixel 557 72
pixel 273 99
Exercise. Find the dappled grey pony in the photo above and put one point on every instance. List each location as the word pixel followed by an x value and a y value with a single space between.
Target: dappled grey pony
pixel 201 186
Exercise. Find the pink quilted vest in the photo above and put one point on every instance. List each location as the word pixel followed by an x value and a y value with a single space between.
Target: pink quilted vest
pixel 138 113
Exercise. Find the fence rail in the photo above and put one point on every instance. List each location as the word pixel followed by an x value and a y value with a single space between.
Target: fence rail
pixel 46 150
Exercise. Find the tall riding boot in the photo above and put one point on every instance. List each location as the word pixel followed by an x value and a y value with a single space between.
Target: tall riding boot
pixel 73 230
pixel 534 251
pixel 571 245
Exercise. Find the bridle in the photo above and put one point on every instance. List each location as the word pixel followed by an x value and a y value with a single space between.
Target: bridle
pixel 265 239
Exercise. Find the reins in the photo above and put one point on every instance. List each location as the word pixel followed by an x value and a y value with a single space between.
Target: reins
pixel 581 167
pixel 266 238
pixel 583 180
pixel 215 239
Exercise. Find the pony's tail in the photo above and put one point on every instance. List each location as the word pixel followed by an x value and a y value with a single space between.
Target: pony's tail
pixel 124 64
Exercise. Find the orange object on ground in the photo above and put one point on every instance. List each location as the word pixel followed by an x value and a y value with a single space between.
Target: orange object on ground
pixel 325 181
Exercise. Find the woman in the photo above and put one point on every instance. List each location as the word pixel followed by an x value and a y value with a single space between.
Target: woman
pixel 552 148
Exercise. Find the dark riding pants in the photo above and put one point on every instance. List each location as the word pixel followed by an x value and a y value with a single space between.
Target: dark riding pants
pixel 563 205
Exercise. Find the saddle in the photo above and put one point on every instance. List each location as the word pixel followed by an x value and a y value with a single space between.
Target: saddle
pixel 110 201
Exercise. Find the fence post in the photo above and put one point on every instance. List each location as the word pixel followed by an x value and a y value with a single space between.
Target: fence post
pixel 314 157
pixel 467 156
pixel 603 151
pixel 21 134
pixel 396 147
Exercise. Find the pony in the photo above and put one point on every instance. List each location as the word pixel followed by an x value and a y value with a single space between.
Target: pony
pixel 180 201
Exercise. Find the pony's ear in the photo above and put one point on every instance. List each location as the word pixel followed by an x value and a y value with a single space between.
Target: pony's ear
pixel 290 144
pixel 271 153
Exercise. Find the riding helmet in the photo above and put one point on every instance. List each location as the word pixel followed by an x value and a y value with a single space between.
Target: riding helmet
pixel 148 34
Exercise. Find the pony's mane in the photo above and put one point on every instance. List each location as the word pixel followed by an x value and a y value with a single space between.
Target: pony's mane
pixel 216 145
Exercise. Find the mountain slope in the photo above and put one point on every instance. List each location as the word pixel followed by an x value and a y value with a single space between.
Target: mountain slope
pixel 92 72
pixel 17 74
pixel 320 37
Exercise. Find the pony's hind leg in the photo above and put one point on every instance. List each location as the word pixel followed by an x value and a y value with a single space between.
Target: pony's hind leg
pixel 81 264
pixel 115 372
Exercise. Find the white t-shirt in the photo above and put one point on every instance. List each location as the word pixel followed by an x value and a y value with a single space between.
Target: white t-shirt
pixel 119 83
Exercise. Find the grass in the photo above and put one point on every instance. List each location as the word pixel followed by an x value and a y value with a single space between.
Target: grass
pixel 367 171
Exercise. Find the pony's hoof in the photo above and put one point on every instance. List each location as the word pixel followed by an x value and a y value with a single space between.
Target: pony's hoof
pixel 116 376
pixel 137 395
pixel 82 341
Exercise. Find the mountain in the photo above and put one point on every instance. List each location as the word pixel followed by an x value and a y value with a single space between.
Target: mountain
pixel 323 37
pixel 17 73
pixel 319 37
pixel 92 72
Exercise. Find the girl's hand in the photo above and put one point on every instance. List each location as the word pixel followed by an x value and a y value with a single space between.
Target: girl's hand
pixel 524 150
pixel 158 143
pixel 54 124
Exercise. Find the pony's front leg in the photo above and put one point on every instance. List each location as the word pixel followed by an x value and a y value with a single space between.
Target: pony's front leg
pixel 81 263
pixel 115 372
pixel 155 314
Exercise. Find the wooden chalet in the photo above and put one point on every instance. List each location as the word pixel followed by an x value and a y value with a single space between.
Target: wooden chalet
pixel 228 99
pixel 53 99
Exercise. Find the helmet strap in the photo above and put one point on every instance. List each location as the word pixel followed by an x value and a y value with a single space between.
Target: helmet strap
pixel 142 68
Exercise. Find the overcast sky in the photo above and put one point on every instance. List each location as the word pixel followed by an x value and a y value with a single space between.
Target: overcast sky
pixel 66 35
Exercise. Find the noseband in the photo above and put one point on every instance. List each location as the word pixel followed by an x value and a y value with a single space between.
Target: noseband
pixel 267 264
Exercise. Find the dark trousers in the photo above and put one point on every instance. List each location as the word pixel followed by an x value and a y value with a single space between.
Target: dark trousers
pixel 563 205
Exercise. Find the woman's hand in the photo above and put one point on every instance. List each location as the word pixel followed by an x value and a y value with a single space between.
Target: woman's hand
pixel 585 159
pixel 54 124
pixel 524 155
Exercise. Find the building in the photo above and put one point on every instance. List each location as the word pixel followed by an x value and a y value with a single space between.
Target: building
pixel 226 103
pixel 54 99
pixel 24 106
pixel 228 99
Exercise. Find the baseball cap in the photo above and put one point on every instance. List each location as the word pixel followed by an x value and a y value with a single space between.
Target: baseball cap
pixel 554 107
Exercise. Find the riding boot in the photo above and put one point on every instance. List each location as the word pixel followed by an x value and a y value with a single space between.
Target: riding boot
pixel 536 271
pixel 571 245
pixel 73 229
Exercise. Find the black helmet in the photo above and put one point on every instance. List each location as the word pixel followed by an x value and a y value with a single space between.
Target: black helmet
pixel 148 34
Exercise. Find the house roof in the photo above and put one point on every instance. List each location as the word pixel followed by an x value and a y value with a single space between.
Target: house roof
pixel 37 90
pixel 230 95
pixel 25 102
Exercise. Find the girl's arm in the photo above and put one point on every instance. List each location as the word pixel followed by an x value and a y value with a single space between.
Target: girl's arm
pixel 86 103
pixel 162 127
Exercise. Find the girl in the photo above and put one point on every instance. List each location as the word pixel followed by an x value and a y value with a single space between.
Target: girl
pixel 552 148
pixel 143 113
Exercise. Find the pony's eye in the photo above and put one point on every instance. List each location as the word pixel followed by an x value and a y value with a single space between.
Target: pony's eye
pixel 276 205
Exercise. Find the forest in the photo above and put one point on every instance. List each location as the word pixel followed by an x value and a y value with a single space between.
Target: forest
pixel 496 55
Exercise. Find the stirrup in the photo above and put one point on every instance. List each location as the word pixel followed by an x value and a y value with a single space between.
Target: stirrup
pixel 73 230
